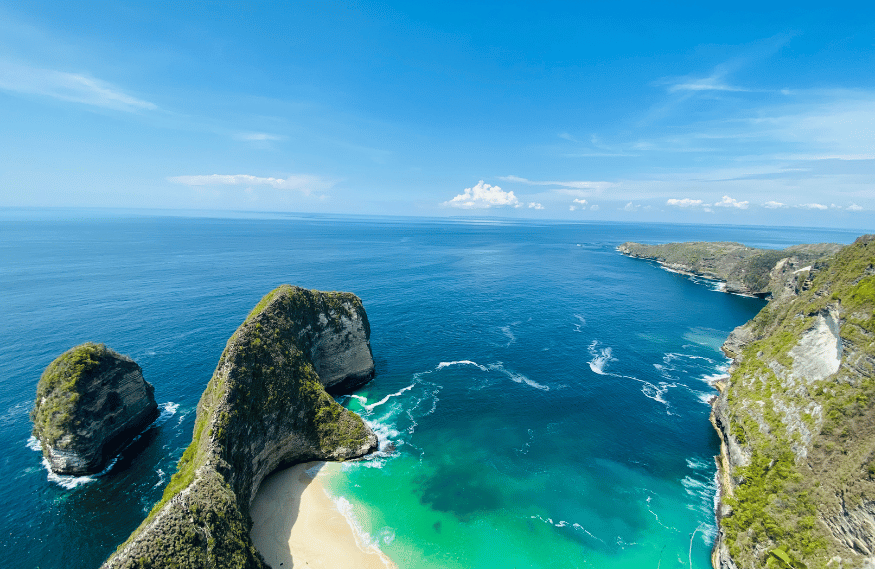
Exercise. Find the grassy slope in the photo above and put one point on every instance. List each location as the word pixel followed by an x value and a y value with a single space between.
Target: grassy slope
pixel 782 499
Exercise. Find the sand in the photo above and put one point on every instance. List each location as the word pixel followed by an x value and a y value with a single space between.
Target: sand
pixel 296 524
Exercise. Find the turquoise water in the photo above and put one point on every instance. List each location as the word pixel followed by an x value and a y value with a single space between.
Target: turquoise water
pixel 546 397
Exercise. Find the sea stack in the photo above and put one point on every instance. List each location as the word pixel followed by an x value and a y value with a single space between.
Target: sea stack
pixel 265 408
pixel 90 402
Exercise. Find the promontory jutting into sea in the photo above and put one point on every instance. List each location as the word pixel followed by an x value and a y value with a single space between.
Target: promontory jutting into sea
pixel 195 392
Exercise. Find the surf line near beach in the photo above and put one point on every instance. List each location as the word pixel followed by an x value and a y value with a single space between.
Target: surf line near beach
pixel 296 524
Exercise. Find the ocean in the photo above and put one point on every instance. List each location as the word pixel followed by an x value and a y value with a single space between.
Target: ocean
pixel 546 397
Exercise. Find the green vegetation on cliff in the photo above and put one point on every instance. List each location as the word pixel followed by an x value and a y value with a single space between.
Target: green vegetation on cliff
pixel 264 408
pixel 810 435
pixel 58 390
pixel 796 416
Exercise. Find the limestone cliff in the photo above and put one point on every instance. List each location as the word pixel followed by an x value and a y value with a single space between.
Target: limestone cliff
pixel 265 407
pixel 744 270
pixel 90 402
pixel 797 421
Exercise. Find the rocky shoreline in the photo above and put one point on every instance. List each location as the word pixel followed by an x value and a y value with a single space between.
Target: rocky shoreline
pixel 794 416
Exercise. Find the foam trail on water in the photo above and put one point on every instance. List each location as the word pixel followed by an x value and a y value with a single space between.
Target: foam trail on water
pixel 509 334
pixel 517 377
pixel 581 322
pixel 563 523
pixel 600 359
pixel 370 406
pixel 442 365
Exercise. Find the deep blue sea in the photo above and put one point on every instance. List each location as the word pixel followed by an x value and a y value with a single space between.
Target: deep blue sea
pixel 547 396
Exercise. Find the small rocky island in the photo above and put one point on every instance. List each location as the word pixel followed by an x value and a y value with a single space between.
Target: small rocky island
pixel 796 416
pixel 266 407
pixel 90 402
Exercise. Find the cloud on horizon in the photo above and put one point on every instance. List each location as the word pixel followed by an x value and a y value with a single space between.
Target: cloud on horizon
pixel 304 183
pixel 483 196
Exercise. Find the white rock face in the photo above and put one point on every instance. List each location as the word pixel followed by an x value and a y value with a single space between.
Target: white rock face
pixel 818 354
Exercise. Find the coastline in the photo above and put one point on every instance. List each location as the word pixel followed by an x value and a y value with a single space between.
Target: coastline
pixel 296 524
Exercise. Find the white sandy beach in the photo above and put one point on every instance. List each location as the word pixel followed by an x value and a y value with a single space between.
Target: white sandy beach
pixel 296 524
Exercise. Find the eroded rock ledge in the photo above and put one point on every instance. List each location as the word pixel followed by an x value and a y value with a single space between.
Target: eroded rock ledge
pixel 796 417
pixel 264 408
pixel 90 402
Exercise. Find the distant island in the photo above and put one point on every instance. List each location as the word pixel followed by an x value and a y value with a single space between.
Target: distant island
pixel 265 407
pixel 796 415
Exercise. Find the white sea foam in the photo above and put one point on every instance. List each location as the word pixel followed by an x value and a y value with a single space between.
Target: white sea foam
pixel 371 406
pixel 442 365
pixel 517 377
pixel 168 410
pixel 162 478
pixel 499 367
pixel 580 324
pixel 563 523
pixel 363 539
pixel 70 482
pixel 706 398
pixel 600 358
pixel 698 464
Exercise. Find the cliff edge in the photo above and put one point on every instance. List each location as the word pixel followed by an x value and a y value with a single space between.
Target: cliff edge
pixel 796 418
pixel 90 402
pixel 744 270
pixel 264 408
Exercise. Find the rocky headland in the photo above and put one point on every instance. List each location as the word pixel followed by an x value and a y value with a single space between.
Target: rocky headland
pixel 796 415
pixel 265 407
pixel 744 270
pixel 90 402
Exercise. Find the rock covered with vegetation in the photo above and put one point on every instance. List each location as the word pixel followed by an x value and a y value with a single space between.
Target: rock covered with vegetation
pixel 90 402
pixel 264 408
pixel 745 270
pixel 797 421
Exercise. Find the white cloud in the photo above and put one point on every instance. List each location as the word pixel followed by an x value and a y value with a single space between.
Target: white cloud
pixel 631 207
pixel 304 183
pixel 685 202
pixel 594 207
pixel 72 87
pixel 730 202
pixel 774 205
pixel 812 206
pixel 580 201
pixel 854 207
pixel 533 205
pixel 483 196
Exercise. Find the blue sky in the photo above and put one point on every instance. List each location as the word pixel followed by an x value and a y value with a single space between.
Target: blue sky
pixel 746 114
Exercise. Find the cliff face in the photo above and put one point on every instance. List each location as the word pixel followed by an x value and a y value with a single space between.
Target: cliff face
pixel 90 402
pixel 265 407
pixel 745 270
pixel 797 421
